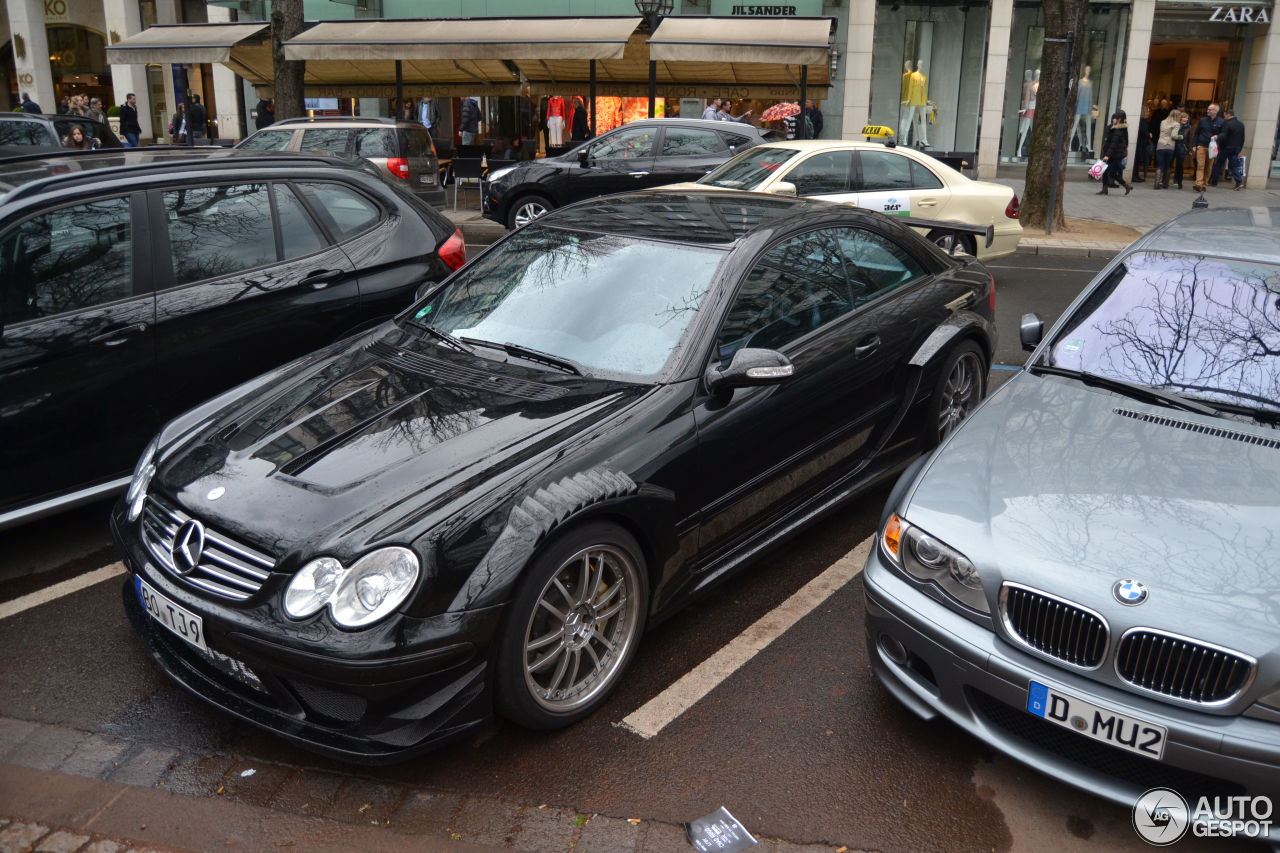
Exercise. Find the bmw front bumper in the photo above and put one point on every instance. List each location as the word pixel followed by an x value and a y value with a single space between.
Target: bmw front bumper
pixel 938 663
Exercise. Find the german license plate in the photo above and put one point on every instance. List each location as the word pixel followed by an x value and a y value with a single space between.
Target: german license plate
pixel 426 179
pixel 1088 719
pixel 179 620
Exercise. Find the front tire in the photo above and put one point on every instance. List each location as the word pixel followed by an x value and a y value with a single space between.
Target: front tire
pixel 954 243
pixel 528 208
pixel 962 383
pixel 572 628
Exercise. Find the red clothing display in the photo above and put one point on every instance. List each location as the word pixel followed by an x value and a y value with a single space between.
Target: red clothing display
pixel 556 107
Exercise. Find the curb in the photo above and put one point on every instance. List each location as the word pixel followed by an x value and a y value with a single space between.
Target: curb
pixel 1105 252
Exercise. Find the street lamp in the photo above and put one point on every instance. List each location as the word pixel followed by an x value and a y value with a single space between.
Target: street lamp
pixel 653 11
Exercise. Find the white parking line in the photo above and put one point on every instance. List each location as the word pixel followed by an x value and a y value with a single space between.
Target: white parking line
pixel 656 714
pixel 43 596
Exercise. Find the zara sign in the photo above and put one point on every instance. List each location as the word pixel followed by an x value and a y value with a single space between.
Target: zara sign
pixel 1240 15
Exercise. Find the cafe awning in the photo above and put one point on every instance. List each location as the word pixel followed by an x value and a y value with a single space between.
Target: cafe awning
pixel 182 43
pixel 785 41
pixel 470 39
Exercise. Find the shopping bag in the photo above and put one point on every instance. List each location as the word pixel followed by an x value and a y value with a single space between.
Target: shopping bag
pixel 1213 147
pixel 1096 170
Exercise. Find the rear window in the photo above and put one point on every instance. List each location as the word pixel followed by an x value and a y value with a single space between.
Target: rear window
pixel 344 211
pixel 106 139
pixel 376 142
pixel 749 169
pixel 24 133
pixel 416 142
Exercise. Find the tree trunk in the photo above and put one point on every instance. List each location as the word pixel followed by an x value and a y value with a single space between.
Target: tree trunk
pixel 1060 17
pixel 286 22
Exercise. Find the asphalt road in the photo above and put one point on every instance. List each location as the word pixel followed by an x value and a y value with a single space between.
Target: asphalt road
pixel 800 743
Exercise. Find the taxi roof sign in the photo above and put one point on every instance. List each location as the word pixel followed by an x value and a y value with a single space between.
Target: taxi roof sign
pixel 877 130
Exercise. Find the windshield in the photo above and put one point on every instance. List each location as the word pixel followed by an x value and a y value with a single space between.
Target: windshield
pixel 1207 328
pixel 609 303
pixel 749 169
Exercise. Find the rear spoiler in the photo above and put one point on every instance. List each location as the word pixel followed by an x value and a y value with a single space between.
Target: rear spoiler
pixel 988 232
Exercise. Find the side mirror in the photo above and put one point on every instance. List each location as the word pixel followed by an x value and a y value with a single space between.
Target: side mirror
pixel 1031 330
pixel 750 368
pixel 424 288
pixel 582 157
pixel 783 188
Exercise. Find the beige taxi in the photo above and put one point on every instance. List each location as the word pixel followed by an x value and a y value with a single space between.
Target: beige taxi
pixel 894 180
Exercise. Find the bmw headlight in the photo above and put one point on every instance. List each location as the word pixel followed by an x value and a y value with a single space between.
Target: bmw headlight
pixel 927 558
pixel 494 177
pixel 142 474
pixel 367 592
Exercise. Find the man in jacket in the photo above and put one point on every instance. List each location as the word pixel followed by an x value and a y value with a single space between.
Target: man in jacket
pixel 1208 129
pixel 265 113
pixel 814 115
pixel 712 108
pixel 197 121
pixel 428 114
pixel 30 106
pixel 1230 144
pixel 469 121
pixel 129 126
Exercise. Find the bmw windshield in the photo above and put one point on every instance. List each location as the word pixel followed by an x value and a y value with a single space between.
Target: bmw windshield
pixel 749 169
pixel 582 302
pixel 1207 329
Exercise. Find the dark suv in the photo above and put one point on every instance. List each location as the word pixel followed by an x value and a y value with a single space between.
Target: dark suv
pixel 31 130
pixel 646 153
pixel 403 148
pixel 136 284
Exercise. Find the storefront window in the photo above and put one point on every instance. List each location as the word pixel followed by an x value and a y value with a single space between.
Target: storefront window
pixel 926 72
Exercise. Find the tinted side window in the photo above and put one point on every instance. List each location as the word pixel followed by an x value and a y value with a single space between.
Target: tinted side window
pixel 875 264
pixel 632 144
pixel 734 140
pixel 325 139
pixel 882 170
pixel 683 142
pixel 798 286
pixel 415 142
pixel 344 211
pixel 67 259
pixel 269 140
pixel 298 234
pixel 823 173
pixel 376 142
pixel 922 178
pixel 216 231
pixel 24 133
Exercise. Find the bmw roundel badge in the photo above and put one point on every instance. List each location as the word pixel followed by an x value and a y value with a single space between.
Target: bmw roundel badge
pixel 1130 592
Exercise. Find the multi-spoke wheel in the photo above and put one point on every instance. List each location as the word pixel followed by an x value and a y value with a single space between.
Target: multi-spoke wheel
pixel 573 627
pixel 527 209
pixel 952 243
pixel 962 383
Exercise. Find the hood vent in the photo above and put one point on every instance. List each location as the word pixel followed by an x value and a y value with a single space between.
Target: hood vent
pixel 479 380
pixel 1216 432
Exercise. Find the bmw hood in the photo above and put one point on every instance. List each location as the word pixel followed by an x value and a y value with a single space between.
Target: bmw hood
pixel 380 432
pixel 1070 489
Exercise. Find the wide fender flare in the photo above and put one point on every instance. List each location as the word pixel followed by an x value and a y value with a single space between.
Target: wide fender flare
pixel 944 336
pixel 542 512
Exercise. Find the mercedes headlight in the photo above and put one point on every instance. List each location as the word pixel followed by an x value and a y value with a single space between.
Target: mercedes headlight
pixel 142 474
pixel 367 592
pixel 927 558
pixel 494 177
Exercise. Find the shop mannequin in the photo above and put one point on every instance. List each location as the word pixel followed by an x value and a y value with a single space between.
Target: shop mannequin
pixel 1027 112
pixel 556 113
pixel 915 104
pixel 1084 111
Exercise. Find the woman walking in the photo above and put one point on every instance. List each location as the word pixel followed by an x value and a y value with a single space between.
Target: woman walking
pixel 1115 146
pixel 1169 135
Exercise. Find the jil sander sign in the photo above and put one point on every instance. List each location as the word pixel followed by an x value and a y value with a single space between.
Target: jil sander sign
pixel 1240 15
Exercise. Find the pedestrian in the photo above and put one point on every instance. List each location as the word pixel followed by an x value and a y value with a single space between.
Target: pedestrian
pixel 64 106
pixel 1115 145
pixel 197 121
pixel 519 151
pixel 428 114
pixel 712 110
pixel 814 117
pixel 1230 144
pixel 1207 130
pixel 1182 148
pixel 178 126
pixel 95 111
pixel 1145 148
pixel 1170 135
pixel 28 105
pixel 266 113
pixel 725 115
pixel 581 126
pixel 78 139
pixel 469 120
pixel 77 107
pixel 129 125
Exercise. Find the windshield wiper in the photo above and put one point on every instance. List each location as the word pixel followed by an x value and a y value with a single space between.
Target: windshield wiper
pixel 445 337
pixel 1131 389
pixel 565 364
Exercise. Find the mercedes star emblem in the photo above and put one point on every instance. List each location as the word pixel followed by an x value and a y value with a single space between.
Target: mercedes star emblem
pixel 188 547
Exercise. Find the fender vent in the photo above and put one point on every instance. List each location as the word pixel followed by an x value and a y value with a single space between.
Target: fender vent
pixel 1216 432
pixel 480 380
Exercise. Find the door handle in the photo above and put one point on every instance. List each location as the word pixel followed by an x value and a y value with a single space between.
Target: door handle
pixel 637 174
pixel 320 279
pixel 927 202
pixel 115 337
pixel 866 346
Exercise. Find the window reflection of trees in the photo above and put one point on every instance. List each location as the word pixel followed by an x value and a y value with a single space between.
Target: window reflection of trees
pixel 216 231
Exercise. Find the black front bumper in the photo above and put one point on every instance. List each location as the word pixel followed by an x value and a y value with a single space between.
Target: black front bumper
pixel 395 700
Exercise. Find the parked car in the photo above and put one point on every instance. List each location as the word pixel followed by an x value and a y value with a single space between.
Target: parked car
pixel 893 180
pixel 483 503
pixel 403 148
pixel 48 131
pixel 638 155
pixel 136 284
pixel 1085 574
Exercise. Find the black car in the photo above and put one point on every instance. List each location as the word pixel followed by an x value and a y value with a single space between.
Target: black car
pixel 481 504
pixel 136 284
pixel 41 132
pixel 640 155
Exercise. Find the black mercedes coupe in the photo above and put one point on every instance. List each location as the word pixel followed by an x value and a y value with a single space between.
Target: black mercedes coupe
pixel 480 505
